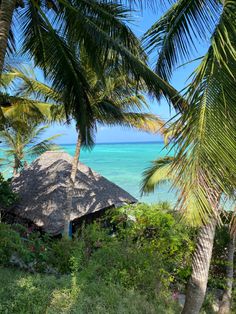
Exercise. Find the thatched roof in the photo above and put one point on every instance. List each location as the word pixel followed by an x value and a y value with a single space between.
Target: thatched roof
pixel 43 190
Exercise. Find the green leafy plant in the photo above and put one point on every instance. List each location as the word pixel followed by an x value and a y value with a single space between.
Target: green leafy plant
pixel 203 134
pixel 24 140
pixel 7 196
pixel 10 243
pixel 62 252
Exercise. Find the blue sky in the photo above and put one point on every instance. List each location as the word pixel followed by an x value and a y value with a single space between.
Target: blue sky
pixel 141 23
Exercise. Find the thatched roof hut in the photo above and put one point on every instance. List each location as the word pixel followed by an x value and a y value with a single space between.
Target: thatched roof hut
pixel 43 188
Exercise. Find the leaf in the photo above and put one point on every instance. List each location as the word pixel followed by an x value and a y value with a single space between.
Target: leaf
pixel 174 36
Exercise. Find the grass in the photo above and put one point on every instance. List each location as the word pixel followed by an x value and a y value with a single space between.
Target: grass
pixel 24 293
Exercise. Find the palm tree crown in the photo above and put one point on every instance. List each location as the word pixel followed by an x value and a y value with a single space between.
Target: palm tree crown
pixel 204 134
pixel 24 141
pixel 55 32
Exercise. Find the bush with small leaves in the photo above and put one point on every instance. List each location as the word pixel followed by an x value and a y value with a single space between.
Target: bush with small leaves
pixel 10 243
pixel 7 196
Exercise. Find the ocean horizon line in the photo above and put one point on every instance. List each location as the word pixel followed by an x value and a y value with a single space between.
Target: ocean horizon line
pixel 106 143
pixel 118 143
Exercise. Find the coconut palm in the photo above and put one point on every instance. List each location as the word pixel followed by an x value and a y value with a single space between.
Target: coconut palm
pixel 75 20
pixel 162 172
pixel 23 141
pixel 56 40
pixel 208 126
pixel 51 30
pixel 204 135
pixel 22 117
pixel 212 84
pixel 113 101
pixel 15 105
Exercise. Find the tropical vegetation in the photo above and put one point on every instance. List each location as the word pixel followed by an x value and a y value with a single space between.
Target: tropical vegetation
pixel 114 100
pixel 143 267
pixel 161 172
pixel 17 105
pixel 204 133
pixel 23 141
pixel 98 273
pixel 7 196
pixel 97 71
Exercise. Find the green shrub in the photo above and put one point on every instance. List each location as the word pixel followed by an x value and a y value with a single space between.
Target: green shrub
pixel 23 293
pixel 10 242
pixel 7 196
pixel 141 247
pixel 37 248
pixel 62 251
pixel 217 275
pixel 162 233
pixel 131 261
pixel 26 248
pixel 100 297
pixel 137 248
pixel 124 265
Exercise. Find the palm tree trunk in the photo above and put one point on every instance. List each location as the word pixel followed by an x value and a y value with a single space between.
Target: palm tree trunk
pixel 71 186
pixel 16 165
pixel 200 268
pixel 226 300
pixel 6 12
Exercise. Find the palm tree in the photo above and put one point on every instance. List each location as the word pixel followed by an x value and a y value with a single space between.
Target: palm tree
pixel 56 40
pixel 15 103
pixel 22 116
pixel 24 141
pixel 6 14
pixel 161 172
pixel 204 135
pixel 113 101
pixel 52 29
pixel 210 90
pixel 207 126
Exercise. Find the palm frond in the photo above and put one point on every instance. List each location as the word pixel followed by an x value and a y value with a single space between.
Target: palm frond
pixel 23 108
pixel 7 138
pixel 105 20
pixel 174 36
pixel 131 102
pixel 63 68
pixel 41 148
pixel 159 173
pixel 206 132
pixel 28 88
pixel 7 78
pixel 23 140
pixel 155 5
pixel 51 50
pixel 33 87
pixel 11 44
pixel 144 122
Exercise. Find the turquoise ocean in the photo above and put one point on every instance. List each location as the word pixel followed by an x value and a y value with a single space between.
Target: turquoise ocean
pixel 124 164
